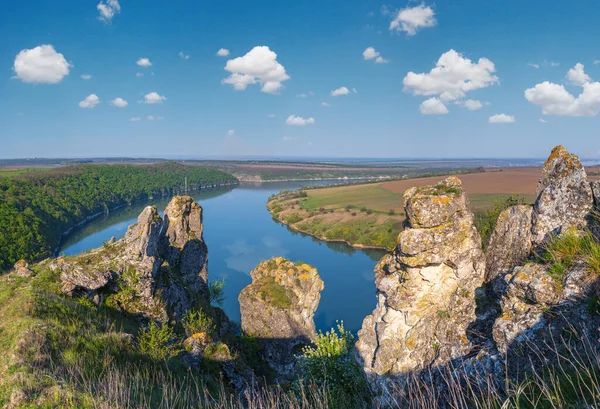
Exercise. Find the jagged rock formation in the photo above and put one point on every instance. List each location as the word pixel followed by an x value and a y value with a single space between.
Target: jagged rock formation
pixel 564 196
pixel 158 270
pixel 510 243
pixel 279 307
pixel 21 269
pixel 425 288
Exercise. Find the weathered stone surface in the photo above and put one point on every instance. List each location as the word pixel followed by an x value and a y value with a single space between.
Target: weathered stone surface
pixel 158 270
pixel 279 307
pixel 564 195
pixel 425 289
pixel 510 243
pixel 21 269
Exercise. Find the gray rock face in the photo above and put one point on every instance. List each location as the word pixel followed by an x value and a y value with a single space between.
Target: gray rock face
pixel 425 289
pixel 158 270
pixel 596 191
pixel 279 307
pixel 564 196
pixel 510 244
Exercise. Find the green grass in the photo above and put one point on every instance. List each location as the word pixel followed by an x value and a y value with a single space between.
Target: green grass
pixel 17 172
pixel 371 196
pixel 274 293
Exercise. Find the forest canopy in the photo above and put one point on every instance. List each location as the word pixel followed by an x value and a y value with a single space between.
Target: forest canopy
pixel 36 208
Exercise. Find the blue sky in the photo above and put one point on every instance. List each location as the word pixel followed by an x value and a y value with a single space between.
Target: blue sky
pixel 321 46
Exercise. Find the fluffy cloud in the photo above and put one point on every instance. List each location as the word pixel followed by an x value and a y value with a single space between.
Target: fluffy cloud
pixel 119 103
pixel 542 120
pixel 411 19
pixel 223 52
pixel 108 9
pixel 452 77
pixel 184 56
pixel 501 119
pixel 154 98
pixel 144 62
pixel 340 91
pixel 299 121
pixel 534 65
pixel 135 119
pixel 577 75
pixel 259 65
pixel 556 100
pixel 90 101
pixel 41 64
pixel 370 54
pixel 473 105
pixel 433 106
pixel 86 76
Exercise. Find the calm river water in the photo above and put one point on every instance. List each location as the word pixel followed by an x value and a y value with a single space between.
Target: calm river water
pixel 240 233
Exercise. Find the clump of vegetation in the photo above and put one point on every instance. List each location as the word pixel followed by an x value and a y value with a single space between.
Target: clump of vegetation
pixel 197 322
pixel 216 294
pixel 485 220
pixel 293 218
pixel 157 342
pixel 274 293
pixel 330 362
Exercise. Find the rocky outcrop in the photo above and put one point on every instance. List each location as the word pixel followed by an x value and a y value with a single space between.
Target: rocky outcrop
pixel 278 308
pixel 596 191
pixel 21 269
pixel 425 288
pixel 510 243
pixel 564 196
pixel 158 270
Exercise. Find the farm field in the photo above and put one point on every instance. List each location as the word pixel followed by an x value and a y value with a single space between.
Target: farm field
pixel 15 171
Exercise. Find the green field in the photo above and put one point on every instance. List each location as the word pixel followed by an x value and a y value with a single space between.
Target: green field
pixel 11 172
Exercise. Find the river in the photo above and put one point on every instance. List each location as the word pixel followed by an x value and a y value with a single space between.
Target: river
pixel 240 233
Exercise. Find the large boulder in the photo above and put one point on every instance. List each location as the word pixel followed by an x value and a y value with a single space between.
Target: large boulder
pixel 564 196
pixel 278 308
pixel 510 243
pixel 21 269
pixel 425 289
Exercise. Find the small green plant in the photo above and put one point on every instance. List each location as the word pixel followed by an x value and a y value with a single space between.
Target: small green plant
pixel 216 293
pixel 485 220
pixel 196 322
pixel 156 342
pixel 443 314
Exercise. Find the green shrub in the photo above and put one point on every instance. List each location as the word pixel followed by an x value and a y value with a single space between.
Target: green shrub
pixel 330 362
pixel 215 292
pixel 156 342
pixel 293 218
pixel 196 322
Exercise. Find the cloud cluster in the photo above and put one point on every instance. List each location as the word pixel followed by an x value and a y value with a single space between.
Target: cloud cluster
pixel 108 9
pixel 154 98
pixel 299 121
pixel 260 66
pixel 41 64
pixel 223 52
pixel 86 76
pixel 90 101
pixel 433 106
pixel 340 91
pixel 501 119
pixel 370 54
pixel 183 55
pixel 119 103
pixel 473 105
pixel 556 100
pixel 411 19
pixel 452 77
pixel 144 62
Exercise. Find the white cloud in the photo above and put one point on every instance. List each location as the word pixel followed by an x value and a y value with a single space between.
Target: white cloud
pixel 86 76
pixel 326 104
pixel 411 19
pixel 299 121
pixel 288 138
pixel 542 120
pixel 144 62
pixel 533 65
pixel 90 101
pixel 139 74
pixel 41 64
pixel 231 132
pixel 259 65
pixel 452 77
pixel 370 54
pixel 302 95
pixel 271 115
pixel 473 105
pixel 223 52
pixel 340 91
pixel 183 55
pixel 552 63
pixel 154 98
pixel 577 75
pixel 108 9
pixel 501 119
pixel 135 119
pixel 596 62
pixel 433 106
pixel 556 100
pixel 150 118
pixel 119 103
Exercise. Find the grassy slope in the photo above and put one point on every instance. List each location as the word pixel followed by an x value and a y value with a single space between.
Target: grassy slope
pixel 8 172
